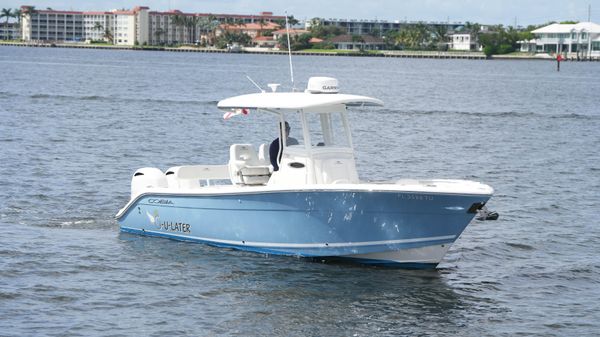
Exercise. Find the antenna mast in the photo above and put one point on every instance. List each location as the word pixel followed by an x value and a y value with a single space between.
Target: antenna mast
pixel 287 30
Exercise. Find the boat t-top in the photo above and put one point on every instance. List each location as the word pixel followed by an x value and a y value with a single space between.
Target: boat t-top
pixel 304 197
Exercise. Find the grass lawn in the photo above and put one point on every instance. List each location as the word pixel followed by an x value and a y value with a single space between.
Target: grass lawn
pixel 339 51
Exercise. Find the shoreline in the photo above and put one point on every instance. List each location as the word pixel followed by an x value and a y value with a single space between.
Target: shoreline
pixel 382 53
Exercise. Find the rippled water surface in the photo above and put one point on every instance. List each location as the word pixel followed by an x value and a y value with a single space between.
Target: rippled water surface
pixel 75 124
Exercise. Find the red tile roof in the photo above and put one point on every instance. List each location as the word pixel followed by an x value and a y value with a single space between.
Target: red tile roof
pixel 251 26
pixel 292 31
pixel 96 13
pixel 263 38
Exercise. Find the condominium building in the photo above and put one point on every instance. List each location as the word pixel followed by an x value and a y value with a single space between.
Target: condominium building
pixel 50 25
pixel 376 27
pixel 168 28
pixel 9 31
pixel 127 27
pixel 97 25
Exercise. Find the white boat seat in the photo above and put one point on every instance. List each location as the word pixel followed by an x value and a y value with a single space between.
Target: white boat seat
pixel 244 166
pixel 263 154
pixel 191 176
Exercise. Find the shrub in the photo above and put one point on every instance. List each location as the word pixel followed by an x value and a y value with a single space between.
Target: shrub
pixel 489 50
pixel 505 49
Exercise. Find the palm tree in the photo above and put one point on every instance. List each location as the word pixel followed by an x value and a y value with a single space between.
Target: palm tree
pixel 192 24
pixel 179 22
pixel 261 24
pixel 204 26
pixel 108 35
pixel 292 21
pixel 440 32
pixel 228 21
pixel 6 13
pixel 158 33
pixel 209 25
pixel 359 40
pixel 98 27
pixel 18 14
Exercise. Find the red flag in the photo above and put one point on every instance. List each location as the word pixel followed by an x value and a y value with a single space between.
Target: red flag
pixel 235 112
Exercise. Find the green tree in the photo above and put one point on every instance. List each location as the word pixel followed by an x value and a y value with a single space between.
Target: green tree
pixel 291 20
pixel 18 14
pixel 192 26
pixel 326 32
pixel 98 27
pixel 6 13
pixel 158 33
pixel 229 38
pixel 208 26
pixel 375 32
pixel 261 24
pixel 298 42
pixel 501 40
pixel 108 35
pixel 440 36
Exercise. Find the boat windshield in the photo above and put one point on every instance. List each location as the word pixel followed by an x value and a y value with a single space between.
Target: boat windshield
pixel 328 129
pixel 295 132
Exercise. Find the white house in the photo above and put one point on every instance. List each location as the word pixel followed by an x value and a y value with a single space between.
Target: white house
pixel 580 39
pixel 461 41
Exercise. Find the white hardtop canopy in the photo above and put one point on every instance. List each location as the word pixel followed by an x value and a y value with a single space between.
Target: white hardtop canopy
pixel 295 101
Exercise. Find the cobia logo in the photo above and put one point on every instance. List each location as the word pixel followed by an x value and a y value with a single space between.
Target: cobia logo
pixel 160 201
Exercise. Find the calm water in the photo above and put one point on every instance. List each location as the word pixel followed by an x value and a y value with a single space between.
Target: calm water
pixel 75 124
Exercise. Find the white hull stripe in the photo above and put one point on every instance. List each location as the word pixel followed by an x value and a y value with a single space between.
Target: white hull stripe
pixel 300 245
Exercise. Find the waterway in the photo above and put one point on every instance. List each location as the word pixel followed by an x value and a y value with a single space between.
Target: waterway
pixel 75 124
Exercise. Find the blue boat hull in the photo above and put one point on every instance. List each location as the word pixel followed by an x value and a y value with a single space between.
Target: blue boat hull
pixel 373 227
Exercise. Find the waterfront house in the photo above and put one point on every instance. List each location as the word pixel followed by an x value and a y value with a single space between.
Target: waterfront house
pixel 357 42
pixel 574 40
pixel 463 41
pixel 251 29
pixel 293 32
pixel 264 41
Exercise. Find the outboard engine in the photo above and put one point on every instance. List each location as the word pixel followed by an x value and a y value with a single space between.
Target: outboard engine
pixel 484 214
pixel 147 177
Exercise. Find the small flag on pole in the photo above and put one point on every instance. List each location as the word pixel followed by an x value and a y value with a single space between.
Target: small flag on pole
pixel 235 112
